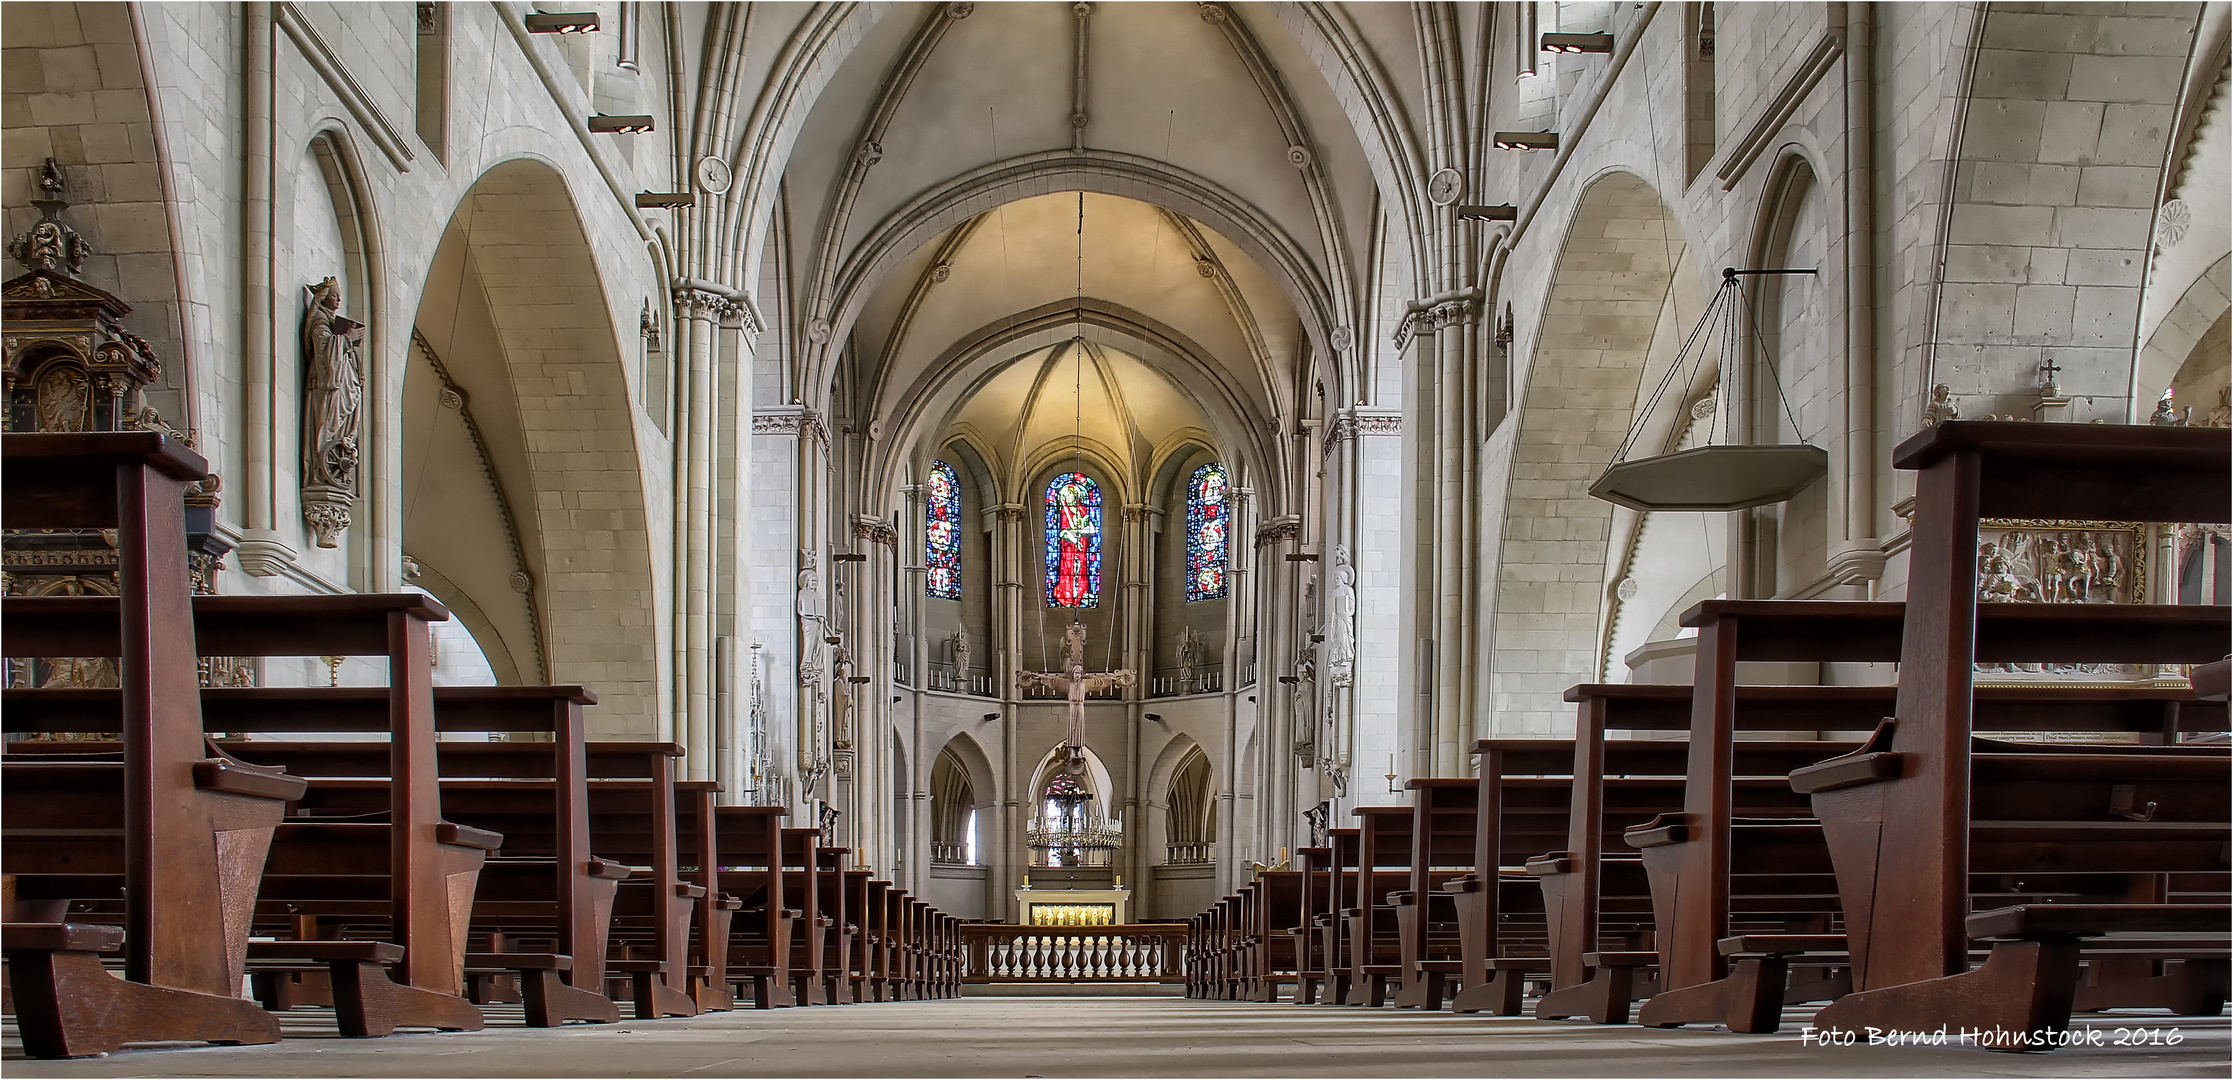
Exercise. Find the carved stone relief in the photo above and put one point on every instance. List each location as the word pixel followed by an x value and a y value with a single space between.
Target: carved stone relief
pixel 2061 562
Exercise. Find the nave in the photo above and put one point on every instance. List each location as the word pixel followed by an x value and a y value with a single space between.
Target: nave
pixel 1126 1036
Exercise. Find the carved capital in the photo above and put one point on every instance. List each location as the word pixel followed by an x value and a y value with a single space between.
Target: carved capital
pixel 875 530
pixel 1280 529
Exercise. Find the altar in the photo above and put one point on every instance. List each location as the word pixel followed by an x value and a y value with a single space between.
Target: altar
pixel 1074 907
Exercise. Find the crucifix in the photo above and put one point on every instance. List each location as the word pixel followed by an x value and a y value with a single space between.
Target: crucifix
pixel 1075 682
pixel 2050 369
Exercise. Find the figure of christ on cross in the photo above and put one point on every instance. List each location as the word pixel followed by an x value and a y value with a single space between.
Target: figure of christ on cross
pixel 1075 682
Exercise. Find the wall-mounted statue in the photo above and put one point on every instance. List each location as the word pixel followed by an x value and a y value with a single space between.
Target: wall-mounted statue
pixel 1341 621
pixel 332 400
pixel 959 646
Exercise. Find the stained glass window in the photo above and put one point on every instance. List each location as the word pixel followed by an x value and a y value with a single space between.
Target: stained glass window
pixel 1073 541
pixel 942 533
pixel 1209 529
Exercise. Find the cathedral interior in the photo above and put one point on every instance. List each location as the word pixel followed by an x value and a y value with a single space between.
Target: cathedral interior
pixel 1074 455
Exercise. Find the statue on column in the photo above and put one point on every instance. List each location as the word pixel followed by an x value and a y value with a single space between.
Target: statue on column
pixel 813 627
pixel 332 398
pixel 1341 621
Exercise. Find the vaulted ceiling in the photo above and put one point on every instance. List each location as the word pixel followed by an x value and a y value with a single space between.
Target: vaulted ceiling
pixel 933 222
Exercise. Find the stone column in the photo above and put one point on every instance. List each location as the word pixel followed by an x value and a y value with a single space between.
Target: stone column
pixel 1386 662
pixel 774 546
pixel 1011 577
pixel 702 312
pixel 1138 547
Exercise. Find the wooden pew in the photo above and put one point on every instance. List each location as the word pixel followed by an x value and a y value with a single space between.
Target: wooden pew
pixel 877 909
pixel 832 894
pixel 1900 817
pixel 749 851
pixel 532 793
pixel 1585 903
pixel 716 909
pixel 1520 811
pixel 426 859
pixel 1443 816
pixel 802 884
pixel 861 961
pixel 164 801
pixel 635 814
pixel 1365 943
pixel 1314 871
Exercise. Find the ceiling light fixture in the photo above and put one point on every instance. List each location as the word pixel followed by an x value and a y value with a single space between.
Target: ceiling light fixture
pixel 1498 212
pixel 1578 43
pixel 1526 140
pixel 619 125
pixel 667 200
pixel 552 22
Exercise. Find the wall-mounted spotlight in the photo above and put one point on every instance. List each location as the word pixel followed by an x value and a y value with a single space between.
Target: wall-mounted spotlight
pixel 848 556
pixel 1157 717
pixel 1497 212
pixel 619 125
pixel 861 679
pixel 552 22
pixel 1578 43
pixel 1526 140
pixel 1302 556
pixel 665 200
pixel 990 717
pixel 1289 680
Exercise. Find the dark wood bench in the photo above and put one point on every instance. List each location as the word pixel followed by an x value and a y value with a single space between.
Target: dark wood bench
pixel 532 793
pixel 1904 819
pixel 171 798
pixel 748 845
pixel 1444 864
pixel 423 859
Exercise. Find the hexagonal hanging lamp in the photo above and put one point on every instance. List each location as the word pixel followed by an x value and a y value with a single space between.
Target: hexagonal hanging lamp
pixel 1714 478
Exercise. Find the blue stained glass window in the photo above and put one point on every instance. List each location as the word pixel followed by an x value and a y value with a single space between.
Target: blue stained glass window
pixel 942 533
pixel 1209 528
pixel 1073 541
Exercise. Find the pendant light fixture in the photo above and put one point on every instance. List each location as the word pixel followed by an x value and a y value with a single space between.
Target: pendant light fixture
pixel 1729 476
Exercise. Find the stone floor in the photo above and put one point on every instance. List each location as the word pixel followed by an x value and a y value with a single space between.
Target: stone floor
pixel 1147 1037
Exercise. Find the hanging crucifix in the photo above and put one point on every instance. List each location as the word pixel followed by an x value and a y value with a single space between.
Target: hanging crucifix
pixel 1075 682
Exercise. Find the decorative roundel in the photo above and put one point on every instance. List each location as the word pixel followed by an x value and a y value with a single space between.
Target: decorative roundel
pixel 1444 187
pixel 713 175
pixel 1703 407
pixel 1626 590
pixel 2173 221
pixel 1341 338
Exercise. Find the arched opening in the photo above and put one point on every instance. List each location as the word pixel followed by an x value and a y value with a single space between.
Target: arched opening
pixel 953 814
pixel 1190 814
pixel 1613 311
pixel 523 499
pixel 1794 392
